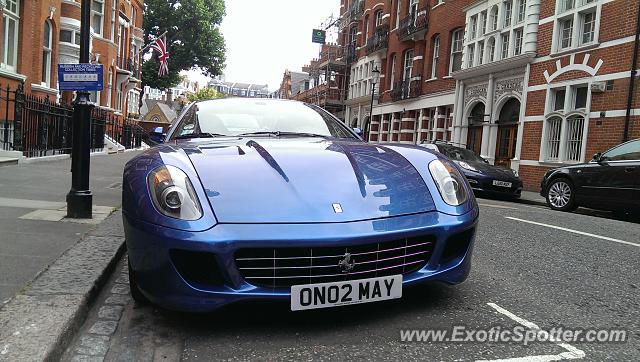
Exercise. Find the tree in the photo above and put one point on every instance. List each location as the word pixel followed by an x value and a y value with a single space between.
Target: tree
pixel 204 94
pixel 193 38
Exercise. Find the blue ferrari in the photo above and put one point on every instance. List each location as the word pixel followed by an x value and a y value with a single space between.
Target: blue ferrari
pixel 261 199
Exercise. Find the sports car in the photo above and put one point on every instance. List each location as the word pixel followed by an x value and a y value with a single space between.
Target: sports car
pixel 253 199
pixel 484 178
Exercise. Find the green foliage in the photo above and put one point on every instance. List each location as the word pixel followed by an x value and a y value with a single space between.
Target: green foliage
pixel 194 40
pixel 204 94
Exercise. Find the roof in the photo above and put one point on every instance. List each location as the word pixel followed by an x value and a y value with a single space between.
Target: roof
pixel 168 112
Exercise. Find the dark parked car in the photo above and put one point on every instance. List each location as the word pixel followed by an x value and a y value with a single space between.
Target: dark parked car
pixel 482 176
pixel 610 181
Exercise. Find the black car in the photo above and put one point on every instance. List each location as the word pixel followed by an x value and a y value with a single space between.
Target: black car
pixel 610 181
pixel 482 176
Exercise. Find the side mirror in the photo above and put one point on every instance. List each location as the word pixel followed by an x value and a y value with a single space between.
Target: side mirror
pixel 597 157
pixel 357 131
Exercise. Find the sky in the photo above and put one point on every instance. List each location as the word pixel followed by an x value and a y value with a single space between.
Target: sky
pixel 264 38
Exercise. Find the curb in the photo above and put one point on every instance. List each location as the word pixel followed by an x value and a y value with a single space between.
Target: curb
pixel 532 202
pixel 40 321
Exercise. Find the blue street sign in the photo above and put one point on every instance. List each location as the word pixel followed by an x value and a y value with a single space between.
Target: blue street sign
pixel 80 77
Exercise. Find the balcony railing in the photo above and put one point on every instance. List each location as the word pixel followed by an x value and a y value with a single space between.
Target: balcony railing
pixel 406 89
pixel 380 39
pixel 350 54
pixel 414 25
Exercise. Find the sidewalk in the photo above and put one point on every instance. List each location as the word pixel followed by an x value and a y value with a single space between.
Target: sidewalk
pixel 32 202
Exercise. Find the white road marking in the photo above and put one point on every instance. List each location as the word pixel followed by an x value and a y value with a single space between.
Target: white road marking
pixel 572 352
pixel 575 231
pixel 499 206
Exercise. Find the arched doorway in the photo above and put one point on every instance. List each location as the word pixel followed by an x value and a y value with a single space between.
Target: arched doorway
pixel 474 132
pixel 507 133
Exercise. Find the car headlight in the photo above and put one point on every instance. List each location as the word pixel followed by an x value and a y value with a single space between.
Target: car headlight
pixel 173 194
pixel 449 181
pixel 467 166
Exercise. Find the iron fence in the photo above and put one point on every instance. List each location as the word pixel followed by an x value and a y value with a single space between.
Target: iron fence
pixel 38 127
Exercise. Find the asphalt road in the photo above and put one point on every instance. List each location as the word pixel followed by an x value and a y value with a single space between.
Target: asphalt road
pixel 581 277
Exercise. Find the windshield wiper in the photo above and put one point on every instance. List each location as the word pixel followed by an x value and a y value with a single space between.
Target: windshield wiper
pixel 199 135
pixel 283 133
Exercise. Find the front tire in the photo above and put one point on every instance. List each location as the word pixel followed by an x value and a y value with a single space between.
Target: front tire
pixel 136 294
pixel 561 195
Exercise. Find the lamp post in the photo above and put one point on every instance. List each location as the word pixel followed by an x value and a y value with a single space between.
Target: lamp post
pixel 80 198
pixel 375 78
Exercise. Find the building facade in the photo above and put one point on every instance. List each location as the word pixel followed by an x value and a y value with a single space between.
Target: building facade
pixel 38 35
pixel 247 90
pixel 526 84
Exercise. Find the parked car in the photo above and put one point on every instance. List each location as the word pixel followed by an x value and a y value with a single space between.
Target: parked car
pixel 482 176
pixel 610 181
pixel 271 199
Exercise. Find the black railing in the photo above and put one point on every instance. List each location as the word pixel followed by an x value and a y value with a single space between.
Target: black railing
pixel 406 89
pixel 350 54
pixel 380 39
pixel 39 127
pixel 415 22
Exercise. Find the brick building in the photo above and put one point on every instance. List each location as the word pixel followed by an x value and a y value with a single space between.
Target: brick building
pixel 38 35
pixel 527 84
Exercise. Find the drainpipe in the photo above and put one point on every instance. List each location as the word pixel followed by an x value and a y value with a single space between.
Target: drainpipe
pixel 632 78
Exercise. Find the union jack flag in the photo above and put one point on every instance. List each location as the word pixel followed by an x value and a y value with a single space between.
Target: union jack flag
pixel 160 46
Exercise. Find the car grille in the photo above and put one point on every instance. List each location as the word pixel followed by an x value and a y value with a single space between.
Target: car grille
pixel 284 267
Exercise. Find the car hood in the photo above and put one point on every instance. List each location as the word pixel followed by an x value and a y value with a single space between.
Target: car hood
pixel 305 180
pixel 492 171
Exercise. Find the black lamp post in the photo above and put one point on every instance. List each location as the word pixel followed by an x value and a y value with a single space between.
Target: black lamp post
pixel 79 198
pixel 375 78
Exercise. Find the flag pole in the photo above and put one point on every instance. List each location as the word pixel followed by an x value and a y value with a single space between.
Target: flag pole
pixel 151 43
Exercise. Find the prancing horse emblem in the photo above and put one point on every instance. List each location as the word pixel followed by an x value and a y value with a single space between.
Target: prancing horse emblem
pixel 346 264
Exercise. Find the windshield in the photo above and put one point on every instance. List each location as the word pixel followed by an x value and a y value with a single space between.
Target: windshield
pixel 236 117
pixel 460 154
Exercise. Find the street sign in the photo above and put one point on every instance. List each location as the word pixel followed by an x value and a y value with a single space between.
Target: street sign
pixel 319 36
pixel 80 77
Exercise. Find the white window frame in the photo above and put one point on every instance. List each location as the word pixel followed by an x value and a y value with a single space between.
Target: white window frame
pixel 576 14
pixel 470 54
pixel 518 38
pixel 109 87
pixel 568 134
pixel 481 52
pixel 397 13
pixel 491 49
pixel 113 19
pixel 505 38
pixel 392 78
pixel 47 51
pixel 483 22
pixel 100 30
pixel 522 11
pixel 378 17
pixel 473 26
pixel 507 13
pixel 435 56
pixel 457 45
pixel 407 69
pixel 494 15
pixel 11 12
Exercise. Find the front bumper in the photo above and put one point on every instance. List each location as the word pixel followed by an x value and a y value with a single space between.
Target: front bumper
pixel 149 247
pixel 485 186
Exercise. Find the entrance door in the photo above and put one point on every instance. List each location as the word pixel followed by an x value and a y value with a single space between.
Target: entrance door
pixel 474 132
pixel 507 133
pixel 474 139
pixel 506 149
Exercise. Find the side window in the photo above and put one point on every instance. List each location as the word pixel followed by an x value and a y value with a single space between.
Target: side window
pixel 627 151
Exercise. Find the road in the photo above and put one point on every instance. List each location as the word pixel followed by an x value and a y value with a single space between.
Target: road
pixel 525 271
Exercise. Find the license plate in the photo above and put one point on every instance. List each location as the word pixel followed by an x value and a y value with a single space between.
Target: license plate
pixel 324 295
pixel 501 183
